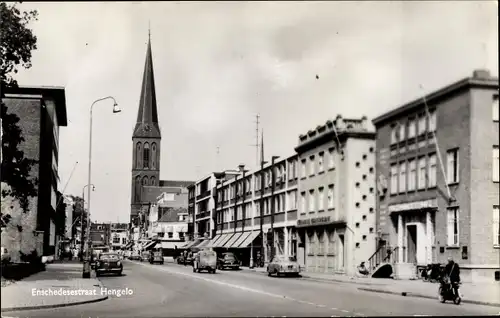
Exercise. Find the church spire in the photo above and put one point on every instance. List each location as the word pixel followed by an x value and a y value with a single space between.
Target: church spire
pixel 147 116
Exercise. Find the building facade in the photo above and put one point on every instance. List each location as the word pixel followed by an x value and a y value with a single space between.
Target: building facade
pixel 68 230
pixel 437 178
pixel 146 148
pixel 100 234
pixel 256 212
pixel 119 236
pixel 41 112
pixel 336 221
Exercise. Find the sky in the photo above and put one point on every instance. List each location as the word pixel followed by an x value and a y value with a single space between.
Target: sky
pixel 219 64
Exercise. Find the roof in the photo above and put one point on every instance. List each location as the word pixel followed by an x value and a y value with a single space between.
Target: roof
pixel 171 214
pixel 147 115
pixel 53 92
pixel 479 79
pixel 150 194
pixel 175 183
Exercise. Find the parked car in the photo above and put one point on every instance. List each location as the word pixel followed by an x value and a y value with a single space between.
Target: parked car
pixel 156 257
pixel 286 265
pixel 134 256
pixel 189 259
pixel 5 255
pixel 109 263
pixel 144 256
pixel 228 260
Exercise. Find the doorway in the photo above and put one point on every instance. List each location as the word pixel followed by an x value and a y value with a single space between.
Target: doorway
pixel 411 237
pixel 341 253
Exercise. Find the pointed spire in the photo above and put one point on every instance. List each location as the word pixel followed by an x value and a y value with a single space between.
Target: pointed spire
pixel 262 146
pixel 147 116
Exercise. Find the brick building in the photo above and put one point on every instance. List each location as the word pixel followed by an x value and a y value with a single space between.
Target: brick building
pixel 42 111
pixel 437 176
pixel 146 150
pixel 100 234
pixel 336 221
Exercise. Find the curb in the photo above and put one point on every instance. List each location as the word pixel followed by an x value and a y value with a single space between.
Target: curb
pixel 410 294
pixel 54 306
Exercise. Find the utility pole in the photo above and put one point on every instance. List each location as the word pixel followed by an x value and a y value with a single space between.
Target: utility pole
pixel 257 122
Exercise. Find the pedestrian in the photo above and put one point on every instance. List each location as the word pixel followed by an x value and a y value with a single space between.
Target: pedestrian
pixel 452 269
pixel 185 257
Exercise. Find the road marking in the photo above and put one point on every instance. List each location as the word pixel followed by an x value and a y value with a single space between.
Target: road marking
pixel 165 269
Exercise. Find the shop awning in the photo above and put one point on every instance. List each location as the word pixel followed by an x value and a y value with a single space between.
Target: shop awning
pixel 249 239
pixel 214 241
pixel 232 240
pixel 168 245
pixel 203 244
pixel 223 240
pixel 242 238
pixel 190 244
pixel 149 245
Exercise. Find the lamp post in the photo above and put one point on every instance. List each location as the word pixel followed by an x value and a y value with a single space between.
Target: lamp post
pixel 86 262
pixel 262 185
pixel 82 217
pixel 273 159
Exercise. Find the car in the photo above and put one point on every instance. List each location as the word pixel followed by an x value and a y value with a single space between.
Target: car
pixel 156 257
pixel 189 259
pixel 228 260
pixel 108 263
pixel 205 260
pixel 134 256
pixel 144 256
pixel 283 264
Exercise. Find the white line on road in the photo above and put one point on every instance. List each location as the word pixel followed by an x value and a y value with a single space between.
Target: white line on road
pixel 165 269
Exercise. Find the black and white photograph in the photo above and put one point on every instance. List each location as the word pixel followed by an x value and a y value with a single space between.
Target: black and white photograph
pixel 249 159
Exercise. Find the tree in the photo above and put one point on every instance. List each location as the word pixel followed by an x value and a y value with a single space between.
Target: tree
pixel 60 220
pixel 17 42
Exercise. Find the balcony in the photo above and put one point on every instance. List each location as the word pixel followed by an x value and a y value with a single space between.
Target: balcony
pixel 203 195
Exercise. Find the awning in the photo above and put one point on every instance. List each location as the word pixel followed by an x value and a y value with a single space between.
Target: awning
pixel 233 239
pixel 242 238
pixel 214 241
pixel 203 244
pixel 168 245
pixel 249 239
pixel 190 244
pixel 150 245
pixel 224 239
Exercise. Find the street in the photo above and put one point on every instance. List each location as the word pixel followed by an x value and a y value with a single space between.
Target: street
pixel 173 290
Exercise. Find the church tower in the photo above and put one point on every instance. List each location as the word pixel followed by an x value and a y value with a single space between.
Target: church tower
pixel 146 139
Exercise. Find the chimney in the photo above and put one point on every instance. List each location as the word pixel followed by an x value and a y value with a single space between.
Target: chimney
pixel 481 74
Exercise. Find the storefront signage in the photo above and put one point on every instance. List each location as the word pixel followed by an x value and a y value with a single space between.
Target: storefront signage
pixel 314 221
pixel 417 205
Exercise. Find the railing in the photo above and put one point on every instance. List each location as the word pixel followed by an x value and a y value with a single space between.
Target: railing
pixel 384 254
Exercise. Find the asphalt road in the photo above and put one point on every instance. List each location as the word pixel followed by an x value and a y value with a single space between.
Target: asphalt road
pixel 173 290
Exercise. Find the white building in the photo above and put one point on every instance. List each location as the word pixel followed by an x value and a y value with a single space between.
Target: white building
pixel 69 217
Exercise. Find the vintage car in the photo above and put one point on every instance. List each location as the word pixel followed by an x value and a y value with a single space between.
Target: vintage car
pixel 205 260
pixel 282 264
pixel 156 256
pixel 189 259
pixel 228 260
pixel 144 256
pixel 108 263
pixel 134 256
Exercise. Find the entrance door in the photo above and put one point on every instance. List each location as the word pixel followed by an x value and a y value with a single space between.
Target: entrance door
pixel 341 253
pixel 411 231
pixel 301 251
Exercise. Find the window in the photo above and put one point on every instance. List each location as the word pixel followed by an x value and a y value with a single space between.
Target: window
pixel 496 226
pixel 412 128
pixel 116 240
pixel 422 173
pixel 402 132
pixel 295 169
pixel 170 234
pixel 330 196
pixel 303 169
pixel 146 156
pixel 496 111
pixel 311 201
pixel 321 243
pixel 331 158
pixel 412 175
pixel 432 170
pixel 320 162
pixel 422 125
pixel 432 121
pixel 394 134
pixel 181 236
pixel 321 203
pixel 292 200
pixel 402 177
pixel 496 164
pixel 311 166
pixel 138 155
pixel 394 179
pixel 303 202
pixel 153 155
pixel 452 166
pixel 452 237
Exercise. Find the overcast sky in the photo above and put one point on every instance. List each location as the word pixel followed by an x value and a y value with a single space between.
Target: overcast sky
pixel 218 64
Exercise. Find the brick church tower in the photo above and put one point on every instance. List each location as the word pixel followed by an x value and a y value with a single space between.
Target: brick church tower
pixel 146 139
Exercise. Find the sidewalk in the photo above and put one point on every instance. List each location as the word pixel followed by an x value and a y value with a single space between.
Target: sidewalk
pixel 481 294
pixel 59 278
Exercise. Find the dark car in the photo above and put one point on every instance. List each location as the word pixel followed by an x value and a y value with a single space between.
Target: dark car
pixel 156 257
pixel 228 260
pixel 109 263
pixel 189 259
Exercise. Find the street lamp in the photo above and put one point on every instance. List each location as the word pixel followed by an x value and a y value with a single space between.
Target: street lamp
pixel 86 262
pixel 273 181
pixel 81 218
